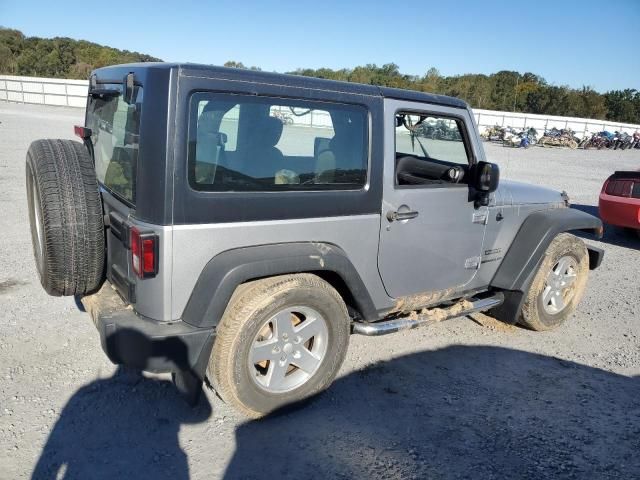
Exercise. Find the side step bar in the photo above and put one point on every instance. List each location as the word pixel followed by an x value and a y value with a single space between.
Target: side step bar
pixel 429 317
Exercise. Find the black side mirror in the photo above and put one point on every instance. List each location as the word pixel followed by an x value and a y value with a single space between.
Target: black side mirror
pixel 485 177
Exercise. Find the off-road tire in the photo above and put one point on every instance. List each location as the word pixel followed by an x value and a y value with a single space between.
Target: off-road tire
pixel 65 214
pixel 251 305
pixel 533 314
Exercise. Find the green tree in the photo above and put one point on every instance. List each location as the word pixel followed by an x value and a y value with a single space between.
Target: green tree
pixel 58 57
pixel 503 90
pixel 7 62
pixel 234 64
pixel 623 105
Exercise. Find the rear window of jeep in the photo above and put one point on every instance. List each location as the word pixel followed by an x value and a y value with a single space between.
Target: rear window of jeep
pixel 242 143
pixel 115 135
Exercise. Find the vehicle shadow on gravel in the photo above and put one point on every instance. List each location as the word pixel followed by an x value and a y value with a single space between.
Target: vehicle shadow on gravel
pixel 125 426
pixel 457 412
pixel 612 235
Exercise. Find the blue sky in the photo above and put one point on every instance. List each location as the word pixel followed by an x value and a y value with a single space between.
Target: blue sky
pixel 567 42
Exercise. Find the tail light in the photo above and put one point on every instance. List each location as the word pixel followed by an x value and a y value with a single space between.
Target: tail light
pixel 82 132
pixel 619 188
pixel 623 184
pixel 144 253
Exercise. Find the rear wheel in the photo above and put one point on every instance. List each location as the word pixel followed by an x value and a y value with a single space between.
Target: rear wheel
pixel 558 284
pixel 281 340
pixel 65 213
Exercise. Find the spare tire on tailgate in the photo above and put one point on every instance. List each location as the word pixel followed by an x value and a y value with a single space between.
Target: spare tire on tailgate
pixel 65 213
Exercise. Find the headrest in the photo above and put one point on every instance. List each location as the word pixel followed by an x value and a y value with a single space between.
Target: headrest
pixel 268 132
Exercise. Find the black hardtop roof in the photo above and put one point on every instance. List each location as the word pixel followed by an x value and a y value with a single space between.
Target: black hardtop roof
pixel 190 69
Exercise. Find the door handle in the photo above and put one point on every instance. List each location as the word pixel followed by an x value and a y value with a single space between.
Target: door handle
pixel 397 216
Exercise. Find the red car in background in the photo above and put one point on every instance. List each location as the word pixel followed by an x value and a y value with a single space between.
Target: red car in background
pixel 620 200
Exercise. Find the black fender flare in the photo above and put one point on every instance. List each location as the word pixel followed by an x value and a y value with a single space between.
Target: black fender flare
pixel 527 250
pixel 224 272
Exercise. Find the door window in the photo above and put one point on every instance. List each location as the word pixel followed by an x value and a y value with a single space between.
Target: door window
pixel 430 150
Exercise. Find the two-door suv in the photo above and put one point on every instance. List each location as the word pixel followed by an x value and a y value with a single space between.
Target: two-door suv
pixel 241 225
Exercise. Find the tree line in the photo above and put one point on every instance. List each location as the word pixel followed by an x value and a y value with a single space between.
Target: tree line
pixel 504 90
pixel 58 57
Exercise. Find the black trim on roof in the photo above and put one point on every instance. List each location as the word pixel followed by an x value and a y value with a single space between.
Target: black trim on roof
pixel 415 96
pixel 253 76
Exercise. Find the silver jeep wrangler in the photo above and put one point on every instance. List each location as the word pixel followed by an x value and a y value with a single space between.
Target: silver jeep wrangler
pixel 241 225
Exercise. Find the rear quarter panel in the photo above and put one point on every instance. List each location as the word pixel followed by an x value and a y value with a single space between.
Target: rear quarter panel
pixel 195 245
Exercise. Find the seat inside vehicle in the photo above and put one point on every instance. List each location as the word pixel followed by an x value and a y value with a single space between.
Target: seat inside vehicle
pixel 262 158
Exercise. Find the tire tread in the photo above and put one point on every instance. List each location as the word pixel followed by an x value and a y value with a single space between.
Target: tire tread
pixel 72 218
pixel 531 317
pixel 247 298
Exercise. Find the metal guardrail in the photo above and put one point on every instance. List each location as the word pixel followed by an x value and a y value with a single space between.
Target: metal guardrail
pixel 44 91
pixel 73 93
pixel 584 126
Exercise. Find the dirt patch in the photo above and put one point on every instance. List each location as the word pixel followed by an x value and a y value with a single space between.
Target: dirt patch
pixel 418 301
pixel 440 314
pixel 493 324
pixel 10 284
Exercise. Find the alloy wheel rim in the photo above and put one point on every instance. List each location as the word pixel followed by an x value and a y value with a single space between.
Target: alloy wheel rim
pixel 288 349
pixel 559 286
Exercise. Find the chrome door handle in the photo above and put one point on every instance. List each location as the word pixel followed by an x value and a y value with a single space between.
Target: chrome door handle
pixel 397 216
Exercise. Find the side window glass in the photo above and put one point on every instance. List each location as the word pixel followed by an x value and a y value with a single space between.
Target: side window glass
pixel 430 150
pixel 293 119
pixel 242 143
pixel 229 127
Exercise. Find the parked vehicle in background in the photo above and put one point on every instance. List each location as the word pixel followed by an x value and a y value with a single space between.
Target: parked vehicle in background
pixel 520 138
pixel 284 117
pixel 559 138
pixel 554 137
pixel 437 130
pixel 585 140
pixel 619 202
pixel 205 237
pixel 494 134
pixel 622 141
pixel 599 141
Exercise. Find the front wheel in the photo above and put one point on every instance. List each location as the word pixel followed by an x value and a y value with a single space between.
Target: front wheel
pixel 281 340
pixel 558 284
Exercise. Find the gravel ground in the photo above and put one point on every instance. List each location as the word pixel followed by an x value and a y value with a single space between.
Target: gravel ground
pixel 466 398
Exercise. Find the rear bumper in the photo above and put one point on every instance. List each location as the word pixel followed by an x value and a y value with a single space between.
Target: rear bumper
pixel 620 211
pixel 131 340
